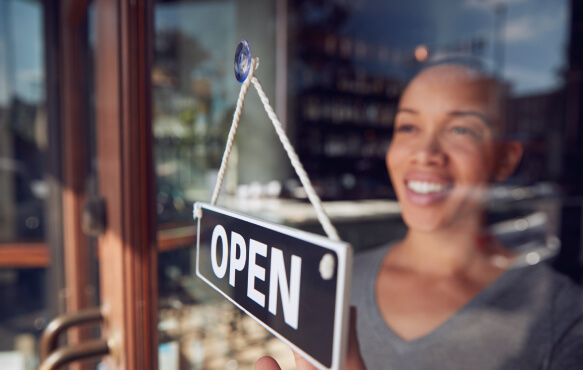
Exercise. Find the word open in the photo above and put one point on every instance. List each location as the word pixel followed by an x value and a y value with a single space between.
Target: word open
pixel 239 255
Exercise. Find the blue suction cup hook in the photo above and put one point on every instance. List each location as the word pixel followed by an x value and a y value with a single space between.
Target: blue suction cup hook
pixel 242 60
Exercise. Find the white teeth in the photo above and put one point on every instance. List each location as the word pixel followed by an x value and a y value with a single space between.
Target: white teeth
pixel 423 187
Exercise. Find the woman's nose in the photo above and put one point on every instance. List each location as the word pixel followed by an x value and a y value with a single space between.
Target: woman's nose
pixel 429 151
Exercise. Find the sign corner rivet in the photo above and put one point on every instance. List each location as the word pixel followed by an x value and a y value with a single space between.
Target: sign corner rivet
pixel 327 266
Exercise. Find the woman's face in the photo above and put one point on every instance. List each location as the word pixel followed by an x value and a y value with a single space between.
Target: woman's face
pixel 442 156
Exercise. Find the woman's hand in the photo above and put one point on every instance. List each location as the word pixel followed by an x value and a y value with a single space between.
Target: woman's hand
pixel 267 363
pixel 353 359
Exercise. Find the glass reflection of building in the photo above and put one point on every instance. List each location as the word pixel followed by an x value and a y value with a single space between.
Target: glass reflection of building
pixel 333 71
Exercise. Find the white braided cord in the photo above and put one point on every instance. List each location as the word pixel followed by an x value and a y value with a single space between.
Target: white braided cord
pixel 295 161
pixel 232 132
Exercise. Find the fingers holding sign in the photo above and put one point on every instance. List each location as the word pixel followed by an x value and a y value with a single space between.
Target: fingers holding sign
pixel 353 358
pixel 266 363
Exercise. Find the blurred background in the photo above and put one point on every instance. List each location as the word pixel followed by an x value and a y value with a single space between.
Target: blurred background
pixel 113 122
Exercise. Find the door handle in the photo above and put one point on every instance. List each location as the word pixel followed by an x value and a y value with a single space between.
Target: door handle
pixel 53 358
pixel 64 356
pixel 93 221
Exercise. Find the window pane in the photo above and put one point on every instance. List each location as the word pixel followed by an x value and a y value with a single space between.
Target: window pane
pixel 22 323
pixel 195 93
pixel 335 71
pixel 23 136
pixel 23 189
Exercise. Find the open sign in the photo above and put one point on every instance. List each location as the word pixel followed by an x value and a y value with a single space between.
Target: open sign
pixel 294 283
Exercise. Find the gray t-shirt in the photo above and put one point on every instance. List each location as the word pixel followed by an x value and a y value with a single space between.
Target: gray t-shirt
pixel 529 318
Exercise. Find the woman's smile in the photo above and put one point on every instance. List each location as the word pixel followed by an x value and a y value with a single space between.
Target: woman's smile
pixel 425 189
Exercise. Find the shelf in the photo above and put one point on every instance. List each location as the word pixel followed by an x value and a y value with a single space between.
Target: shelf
pixel 349 125
pixel 338 92
pixel 352 158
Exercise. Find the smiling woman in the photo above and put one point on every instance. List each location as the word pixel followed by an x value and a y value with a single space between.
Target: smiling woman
pixel 449 293
pixel 336 72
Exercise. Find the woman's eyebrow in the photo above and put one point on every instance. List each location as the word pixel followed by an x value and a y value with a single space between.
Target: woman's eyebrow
pixel 463 113
pixel 407 110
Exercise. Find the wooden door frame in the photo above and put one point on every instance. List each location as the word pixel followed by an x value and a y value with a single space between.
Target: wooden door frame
pixel 73 16
pixel 127 249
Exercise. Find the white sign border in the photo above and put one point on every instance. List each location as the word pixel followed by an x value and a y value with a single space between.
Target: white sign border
pixel 342 306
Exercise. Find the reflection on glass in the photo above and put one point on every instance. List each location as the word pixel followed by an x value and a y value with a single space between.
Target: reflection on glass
pixel 23 136
pixel 21 323
pixel 346 64
pixel 23 146
pixel 194 96
pixel 194 92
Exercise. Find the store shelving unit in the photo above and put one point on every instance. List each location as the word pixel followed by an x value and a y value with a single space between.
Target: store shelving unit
pixel 344 114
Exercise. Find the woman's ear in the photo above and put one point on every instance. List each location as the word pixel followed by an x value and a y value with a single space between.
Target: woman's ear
pixel 510 154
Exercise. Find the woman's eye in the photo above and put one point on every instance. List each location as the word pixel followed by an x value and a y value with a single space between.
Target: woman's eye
pixel 459 130
pixel 405 128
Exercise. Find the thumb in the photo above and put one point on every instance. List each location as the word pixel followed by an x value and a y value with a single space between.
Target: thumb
pixel 266 363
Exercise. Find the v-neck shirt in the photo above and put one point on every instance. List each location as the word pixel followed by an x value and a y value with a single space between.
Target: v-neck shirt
pixel 528 318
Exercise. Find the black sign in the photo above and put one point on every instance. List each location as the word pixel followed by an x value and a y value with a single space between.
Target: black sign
pixel 296 284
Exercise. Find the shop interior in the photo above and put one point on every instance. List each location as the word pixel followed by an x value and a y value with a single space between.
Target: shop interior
pixel 333 71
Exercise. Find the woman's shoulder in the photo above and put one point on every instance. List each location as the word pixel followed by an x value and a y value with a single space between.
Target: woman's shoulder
pixel 543 279
pixel 541 285
pixel 564 320
pixel 553 299
pixel 567 296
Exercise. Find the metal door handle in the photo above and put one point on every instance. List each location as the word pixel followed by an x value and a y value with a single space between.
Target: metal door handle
pixel 79 351
pixel 52 358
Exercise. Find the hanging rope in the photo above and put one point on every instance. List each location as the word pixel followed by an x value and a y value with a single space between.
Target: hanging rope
pixel 295 161
pixel 232 132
